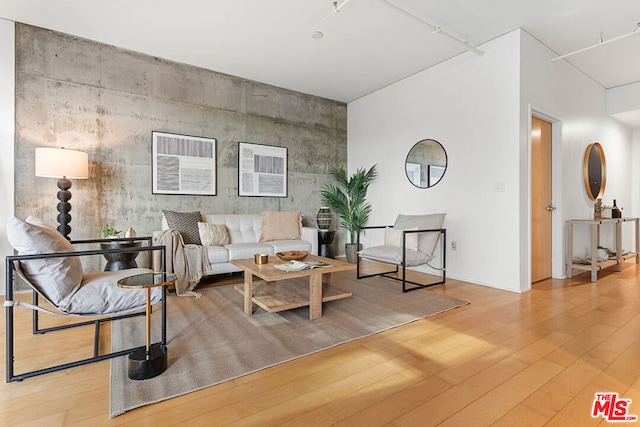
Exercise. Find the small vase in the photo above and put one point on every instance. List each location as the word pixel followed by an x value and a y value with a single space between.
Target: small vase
pixel 130 232
pixel 324 218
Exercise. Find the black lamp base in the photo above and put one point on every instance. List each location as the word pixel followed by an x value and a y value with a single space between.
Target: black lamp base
pixel 64 207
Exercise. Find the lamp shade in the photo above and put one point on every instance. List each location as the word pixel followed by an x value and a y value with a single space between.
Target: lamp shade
pixel 61 163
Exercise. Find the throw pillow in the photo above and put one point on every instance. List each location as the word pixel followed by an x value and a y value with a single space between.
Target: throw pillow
pixel 281 226
pixel 393 237
pixel 56 278
pixel 213 234
pixel 185 223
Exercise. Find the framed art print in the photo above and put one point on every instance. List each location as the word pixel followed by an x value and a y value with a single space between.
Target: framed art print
pixel 183 164
pixel 262 170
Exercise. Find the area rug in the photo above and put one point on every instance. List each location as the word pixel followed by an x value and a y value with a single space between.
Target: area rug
pixel 211 340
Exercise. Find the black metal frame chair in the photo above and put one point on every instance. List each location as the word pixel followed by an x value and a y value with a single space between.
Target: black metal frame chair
pixel 13 269
pixel 403 263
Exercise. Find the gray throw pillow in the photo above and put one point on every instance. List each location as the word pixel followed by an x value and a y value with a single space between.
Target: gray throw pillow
pixel 56 278
pixel 185 223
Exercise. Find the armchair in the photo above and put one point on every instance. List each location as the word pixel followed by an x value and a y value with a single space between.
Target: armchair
pixel 411 242
pixel 52 268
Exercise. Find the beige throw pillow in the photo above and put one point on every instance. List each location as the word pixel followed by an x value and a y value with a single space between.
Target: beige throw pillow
pixel 281 226
pixel 213 234
pixel 393 237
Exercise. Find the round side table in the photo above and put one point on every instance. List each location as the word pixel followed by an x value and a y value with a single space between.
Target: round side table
pixel 120 260
pixel 325 243
pixel 151 360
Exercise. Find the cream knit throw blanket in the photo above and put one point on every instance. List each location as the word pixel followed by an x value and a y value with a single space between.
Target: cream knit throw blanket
pixel 188 262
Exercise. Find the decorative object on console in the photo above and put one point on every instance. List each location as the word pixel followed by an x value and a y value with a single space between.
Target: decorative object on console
pixel 62 164
pixel 183 164
pixel 615 211
pixel 262 170
pixel 594 171
pixel 130 232
pixel 324 218
pixel 348 199
pixel 597 210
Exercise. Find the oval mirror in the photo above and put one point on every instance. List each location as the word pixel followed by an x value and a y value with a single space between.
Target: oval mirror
pixel 595 171
pixel 426 163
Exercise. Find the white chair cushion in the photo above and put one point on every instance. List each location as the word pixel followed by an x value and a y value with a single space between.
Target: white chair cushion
pixel 393 255
pixel 393 237
pixel 427 241
pixel 56 278
pixel 100 294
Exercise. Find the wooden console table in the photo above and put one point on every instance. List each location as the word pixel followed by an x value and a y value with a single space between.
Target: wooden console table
pixel 594 226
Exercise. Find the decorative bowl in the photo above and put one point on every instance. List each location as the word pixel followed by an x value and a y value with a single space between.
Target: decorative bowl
pixel 292 255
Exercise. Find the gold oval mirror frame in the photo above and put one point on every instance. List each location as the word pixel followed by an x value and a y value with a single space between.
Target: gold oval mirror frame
pixel 594 171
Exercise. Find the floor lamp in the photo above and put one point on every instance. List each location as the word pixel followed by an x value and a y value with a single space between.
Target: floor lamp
pixel 62 164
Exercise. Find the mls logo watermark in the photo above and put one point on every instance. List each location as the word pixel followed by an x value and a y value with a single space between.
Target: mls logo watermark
pixel 612 408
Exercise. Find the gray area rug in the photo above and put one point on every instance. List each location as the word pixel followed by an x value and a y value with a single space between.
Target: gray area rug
pixel 210 340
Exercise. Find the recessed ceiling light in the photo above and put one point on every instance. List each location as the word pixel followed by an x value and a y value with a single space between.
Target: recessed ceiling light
pixel 317 35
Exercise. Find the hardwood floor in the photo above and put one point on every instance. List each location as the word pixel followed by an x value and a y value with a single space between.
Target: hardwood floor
pixel 505 359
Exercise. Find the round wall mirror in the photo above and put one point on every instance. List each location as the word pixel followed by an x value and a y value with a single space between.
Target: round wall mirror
pixel 595 171
pixel 426 163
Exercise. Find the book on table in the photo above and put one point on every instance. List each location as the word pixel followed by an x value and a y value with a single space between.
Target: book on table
pixel 295 265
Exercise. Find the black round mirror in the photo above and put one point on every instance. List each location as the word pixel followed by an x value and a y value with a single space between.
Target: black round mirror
pixel 595 171
pixel 426 163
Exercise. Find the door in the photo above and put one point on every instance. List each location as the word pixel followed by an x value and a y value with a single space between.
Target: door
pixel 541 202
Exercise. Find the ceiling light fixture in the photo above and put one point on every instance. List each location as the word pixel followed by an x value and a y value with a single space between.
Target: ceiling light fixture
pixel 600 43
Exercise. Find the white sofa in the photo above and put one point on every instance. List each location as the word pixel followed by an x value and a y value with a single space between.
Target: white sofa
pixel 244 232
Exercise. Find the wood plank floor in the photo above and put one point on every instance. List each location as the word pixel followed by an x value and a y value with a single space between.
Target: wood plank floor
pixel 505 359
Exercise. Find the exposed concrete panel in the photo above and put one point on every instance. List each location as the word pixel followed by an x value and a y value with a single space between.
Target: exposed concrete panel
pixel 93 97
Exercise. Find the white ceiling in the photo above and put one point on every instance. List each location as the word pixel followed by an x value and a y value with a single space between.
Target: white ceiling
pixel 368 45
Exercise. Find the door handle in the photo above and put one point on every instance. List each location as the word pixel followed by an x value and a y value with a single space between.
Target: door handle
pixel 551 208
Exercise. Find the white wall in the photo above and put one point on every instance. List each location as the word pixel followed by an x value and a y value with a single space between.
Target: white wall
pixel 470 105
pixel 579 106
pixel 7 97
pixel 479 109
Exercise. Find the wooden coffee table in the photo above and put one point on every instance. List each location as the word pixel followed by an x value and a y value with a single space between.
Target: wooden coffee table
pixel 274 297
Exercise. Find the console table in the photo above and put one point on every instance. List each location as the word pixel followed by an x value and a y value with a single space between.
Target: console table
pixel 594 227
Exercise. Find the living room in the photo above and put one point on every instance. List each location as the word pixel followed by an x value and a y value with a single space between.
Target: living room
pixel 106 100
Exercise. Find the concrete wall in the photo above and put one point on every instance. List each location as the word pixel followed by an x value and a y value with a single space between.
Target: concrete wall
pixel 7 78
pixel 85 95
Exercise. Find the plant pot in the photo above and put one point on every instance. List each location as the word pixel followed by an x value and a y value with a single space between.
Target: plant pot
pixel 351 250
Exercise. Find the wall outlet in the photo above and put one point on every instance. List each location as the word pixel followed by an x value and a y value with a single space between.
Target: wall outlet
pixel 454 245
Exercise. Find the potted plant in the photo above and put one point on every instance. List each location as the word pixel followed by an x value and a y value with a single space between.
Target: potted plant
pixel 109 232
pixel 348 200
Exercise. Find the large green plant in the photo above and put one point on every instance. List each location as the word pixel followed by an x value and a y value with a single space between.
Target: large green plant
pixel 348 197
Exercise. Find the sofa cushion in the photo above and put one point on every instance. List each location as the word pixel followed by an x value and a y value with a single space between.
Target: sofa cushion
pixel 213 234
pixel 281 226
pixel 217 254
pixel 248 250
pixel 186 223
pixel 289 245
pixel 393 237
pixel 56 278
